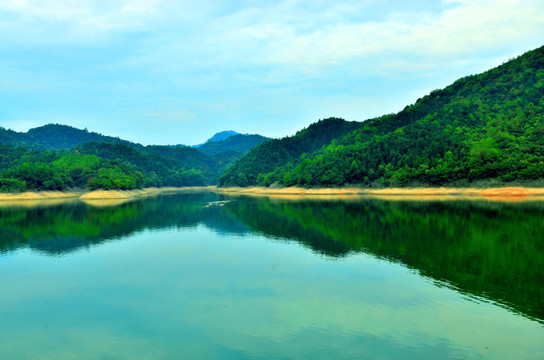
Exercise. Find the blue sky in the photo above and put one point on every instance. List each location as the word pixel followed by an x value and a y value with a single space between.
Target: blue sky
pixel 176 72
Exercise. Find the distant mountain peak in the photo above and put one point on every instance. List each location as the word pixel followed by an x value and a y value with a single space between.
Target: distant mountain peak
pixel 223 135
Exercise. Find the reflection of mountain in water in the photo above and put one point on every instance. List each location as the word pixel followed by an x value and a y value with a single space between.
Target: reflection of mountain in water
pixel 64 228
pixel 493 250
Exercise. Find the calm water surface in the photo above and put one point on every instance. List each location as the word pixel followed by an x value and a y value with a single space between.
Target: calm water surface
pixel 168 278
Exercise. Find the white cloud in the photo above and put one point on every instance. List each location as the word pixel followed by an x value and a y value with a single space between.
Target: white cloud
pixel 470 26
pixel 71 21
pixel 303 34
pixel 292 60
pixel 308 37
pixel 75 10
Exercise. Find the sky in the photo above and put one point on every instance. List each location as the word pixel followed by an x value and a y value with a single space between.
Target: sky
pixel 176 72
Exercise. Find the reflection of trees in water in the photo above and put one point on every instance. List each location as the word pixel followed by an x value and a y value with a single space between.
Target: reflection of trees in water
pixel 64 228
pixel 495 250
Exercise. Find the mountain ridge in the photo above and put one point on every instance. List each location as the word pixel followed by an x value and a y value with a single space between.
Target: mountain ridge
pixel 482 128
pixel 57 137
pixel 220 136
pixel 275 153
pixel 240 143
pixel 57 157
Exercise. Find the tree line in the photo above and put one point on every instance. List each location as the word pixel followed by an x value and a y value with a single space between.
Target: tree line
pixel 90 166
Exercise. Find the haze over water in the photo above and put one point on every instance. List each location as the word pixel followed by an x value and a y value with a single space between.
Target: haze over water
pixel 168 277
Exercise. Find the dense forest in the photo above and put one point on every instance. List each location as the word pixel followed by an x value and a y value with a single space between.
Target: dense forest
pixel 59 157
pixel 483 128
pixel 57 137
pixel 259 164
pixel 238 144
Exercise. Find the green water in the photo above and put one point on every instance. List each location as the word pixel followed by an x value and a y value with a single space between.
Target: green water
pixel 168 278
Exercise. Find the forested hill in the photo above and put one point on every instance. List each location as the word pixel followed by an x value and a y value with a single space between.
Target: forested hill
pixel 486 128
pixel 58 157
pixel 56 137
pixel 260 163
pixel 220 136
pixel 238 143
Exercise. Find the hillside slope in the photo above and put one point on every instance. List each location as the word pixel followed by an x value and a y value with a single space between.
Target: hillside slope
pixel 189 157
pixel 58 157
pixel 237 143
pixel 220 136
pixel 39 161
pixel 483 128
pixel 91 166
pixel 56 137
pixel 265 158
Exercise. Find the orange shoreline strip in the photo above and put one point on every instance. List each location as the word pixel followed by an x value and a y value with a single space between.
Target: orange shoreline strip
pixel 499 193
pixel 496 194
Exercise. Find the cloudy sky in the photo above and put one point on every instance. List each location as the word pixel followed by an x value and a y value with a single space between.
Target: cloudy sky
pixel 171 72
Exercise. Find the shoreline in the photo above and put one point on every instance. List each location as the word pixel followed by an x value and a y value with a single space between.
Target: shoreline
pixel 96 197
pixel 441 193
pixel 510 193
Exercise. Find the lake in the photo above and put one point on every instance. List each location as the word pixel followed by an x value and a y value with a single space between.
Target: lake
pixel 176 277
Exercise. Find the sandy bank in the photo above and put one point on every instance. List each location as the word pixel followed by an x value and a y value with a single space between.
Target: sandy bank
pixel 41 195
pixel 290 191
pixel 94 195
pixel 117 194
pixel 498 194
pixel 115 197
